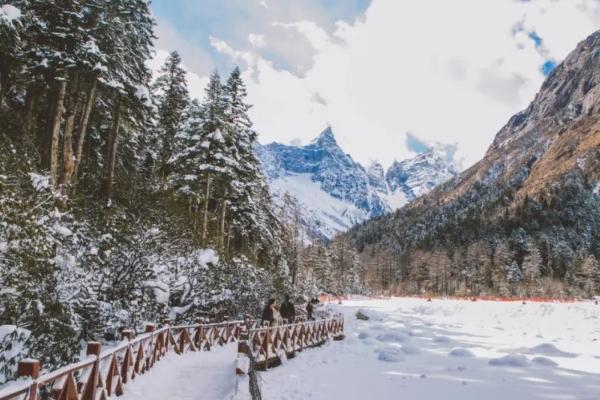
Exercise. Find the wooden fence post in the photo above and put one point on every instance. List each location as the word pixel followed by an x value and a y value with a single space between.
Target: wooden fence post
pixel 91 386
pixel 199 335
pixel 267 347
pixel 30 368
pixel 243 349
pixel 127 334
pixel 227 327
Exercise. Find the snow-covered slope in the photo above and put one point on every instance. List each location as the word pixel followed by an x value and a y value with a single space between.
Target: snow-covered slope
pixel 417 176
pixel 334 192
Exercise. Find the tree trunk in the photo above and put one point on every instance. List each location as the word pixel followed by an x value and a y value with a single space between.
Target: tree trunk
pixel 90 100
pixel 55 132
pixel 5 78
pixel 31 100
pixel 111 151
pixel 222 233
pixel 72 105
pixel 228 248
pixel 205 216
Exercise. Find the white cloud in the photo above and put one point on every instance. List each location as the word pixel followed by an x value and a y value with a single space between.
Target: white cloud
pixel 238 56
pixel 448 71
pixel 257 40
pixel 168 39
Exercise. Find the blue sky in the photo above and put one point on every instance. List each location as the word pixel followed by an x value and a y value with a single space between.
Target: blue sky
pixel 233 20
pixel 391 77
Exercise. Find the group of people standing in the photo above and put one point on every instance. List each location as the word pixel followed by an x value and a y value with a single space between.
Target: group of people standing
pixel 287 310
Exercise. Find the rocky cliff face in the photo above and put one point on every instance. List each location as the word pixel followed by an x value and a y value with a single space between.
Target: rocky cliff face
pixel 336 192
pixel 534 192
pixel 568 99
pixel 419 175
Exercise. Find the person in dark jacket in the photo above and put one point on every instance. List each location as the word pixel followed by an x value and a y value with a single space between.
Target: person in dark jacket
pixel 309 310
pixel 287 310
pixel 269 311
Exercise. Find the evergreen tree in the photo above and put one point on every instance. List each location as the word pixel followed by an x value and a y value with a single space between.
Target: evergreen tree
pixel 173 100
pixel 532 266
pixel 514 276
pixel 588 276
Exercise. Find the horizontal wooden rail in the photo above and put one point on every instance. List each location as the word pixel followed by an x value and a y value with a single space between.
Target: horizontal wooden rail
pixel 104 374
pixel 269 344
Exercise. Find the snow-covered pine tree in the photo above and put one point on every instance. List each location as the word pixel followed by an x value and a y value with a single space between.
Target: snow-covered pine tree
pixel 514 276
pixel 32 275
pixel 202 156
pixel 502 258
pixel 315 260
pixel 587 276
pixel 173 100
pixel 129 87
pixel 251 214
pixel 532 266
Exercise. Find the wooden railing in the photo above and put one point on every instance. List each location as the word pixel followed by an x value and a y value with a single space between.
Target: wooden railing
pixel 104 374
pixel 270 343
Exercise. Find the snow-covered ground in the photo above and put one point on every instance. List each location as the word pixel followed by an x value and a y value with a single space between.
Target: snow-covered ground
pixel 192 376
pixel 448 349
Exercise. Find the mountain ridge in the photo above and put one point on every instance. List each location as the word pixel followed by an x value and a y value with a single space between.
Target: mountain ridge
pixel 341 192
pixel 532 198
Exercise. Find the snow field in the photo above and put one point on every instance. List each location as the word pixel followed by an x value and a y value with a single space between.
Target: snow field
pixel 451 349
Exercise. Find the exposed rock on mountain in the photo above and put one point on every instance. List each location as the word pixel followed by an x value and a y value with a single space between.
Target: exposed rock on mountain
pixel 532 197
pixel 335 192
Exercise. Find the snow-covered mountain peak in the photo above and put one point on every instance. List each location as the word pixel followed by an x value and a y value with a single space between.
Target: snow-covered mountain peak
pixel 335 192
pixel 376 175
pixel 326 139
pixel 418 175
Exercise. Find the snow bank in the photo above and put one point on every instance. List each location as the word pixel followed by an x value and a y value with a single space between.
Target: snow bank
pixel 546 362
pixel 393 336
pixel 460 352
pixel 39 182
pixel 371 314
pixel 391 354
pixel 511 360
pixel 550 350
pixel 9 13
pixel 208 256
pixel 11 345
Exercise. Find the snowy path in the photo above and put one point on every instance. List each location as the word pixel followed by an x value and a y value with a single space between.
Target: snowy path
pixel 192 376
pixel 412 349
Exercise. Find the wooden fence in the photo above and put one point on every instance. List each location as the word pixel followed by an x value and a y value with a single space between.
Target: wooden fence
pixel 104 374
pixel 270 344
